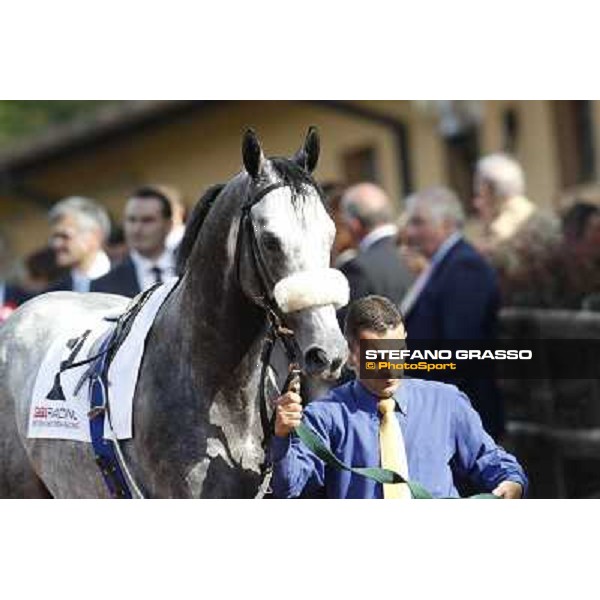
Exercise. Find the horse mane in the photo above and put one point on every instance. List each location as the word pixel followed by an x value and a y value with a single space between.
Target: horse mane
pixel 290 173
pixel 194 224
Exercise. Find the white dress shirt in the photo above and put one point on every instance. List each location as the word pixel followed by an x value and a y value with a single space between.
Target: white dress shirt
pixel 82 280
pixel 423 279
pixel 174 238
pixel 144 268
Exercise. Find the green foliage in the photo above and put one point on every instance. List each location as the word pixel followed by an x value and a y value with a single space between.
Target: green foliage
pixel 20 118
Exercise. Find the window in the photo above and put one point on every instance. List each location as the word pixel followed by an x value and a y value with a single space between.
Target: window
pixel 461 152
pixel 573 122
pixel 360 165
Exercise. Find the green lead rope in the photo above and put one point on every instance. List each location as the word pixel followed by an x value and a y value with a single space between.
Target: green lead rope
pixel 313 442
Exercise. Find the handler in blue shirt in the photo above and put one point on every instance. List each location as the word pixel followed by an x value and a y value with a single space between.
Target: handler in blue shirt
pixel 443 435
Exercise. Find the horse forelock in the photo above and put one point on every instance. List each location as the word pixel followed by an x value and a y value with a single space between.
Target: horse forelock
pixel 296 178
pixel 285 170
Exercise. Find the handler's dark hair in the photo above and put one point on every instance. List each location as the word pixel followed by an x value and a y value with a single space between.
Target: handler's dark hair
pixel 375 313
pixel 152 192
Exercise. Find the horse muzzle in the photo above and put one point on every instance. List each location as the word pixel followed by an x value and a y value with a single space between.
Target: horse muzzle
pixel 309 300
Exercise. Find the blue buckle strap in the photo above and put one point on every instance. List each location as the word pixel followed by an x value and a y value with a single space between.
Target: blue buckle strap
pixel 104 450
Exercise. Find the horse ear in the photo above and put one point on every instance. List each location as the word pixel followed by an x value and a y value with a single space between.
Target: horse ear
pixel 308 156
pixel 252 154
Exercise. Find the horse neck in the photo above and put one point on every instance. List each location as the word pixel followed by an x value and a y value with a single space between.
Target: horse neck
pixel 223 330
pixel 199 382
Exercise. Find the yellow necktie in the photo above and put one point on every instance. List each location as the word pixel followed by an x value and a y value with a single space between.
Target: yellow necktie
pixel 393 452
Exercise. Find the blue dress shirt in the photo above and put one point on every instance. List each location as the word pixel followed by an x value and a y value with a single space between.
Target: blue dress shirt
pixel 443 436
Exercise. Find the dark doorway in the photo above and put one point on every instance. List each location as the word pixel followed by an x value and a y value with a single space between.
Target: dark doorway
pixel 573 122
pixel 462 151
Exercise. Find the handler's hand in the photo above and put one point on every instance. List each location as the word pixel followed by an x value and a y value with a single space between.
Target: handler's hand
pixel 288 413
pixel 510 490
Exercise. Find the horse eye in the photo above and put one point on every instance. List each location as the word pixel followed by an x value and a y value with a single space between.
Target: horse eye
pixel 271 242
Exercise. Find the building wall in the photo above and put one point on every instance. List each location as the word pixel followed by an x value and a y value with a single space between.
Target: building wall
pixel 429 167
pixel 195 151
pixel 203 147
pixel 596 125
pixel 538 149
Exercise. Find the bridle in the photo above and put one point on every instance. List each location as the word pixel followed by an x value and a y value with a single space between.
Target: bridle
pixel 278 329
pixel 266 281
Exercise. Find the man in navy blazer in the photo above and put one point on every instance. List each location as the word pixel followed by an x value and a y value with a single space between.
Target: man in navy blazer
pixel 457 296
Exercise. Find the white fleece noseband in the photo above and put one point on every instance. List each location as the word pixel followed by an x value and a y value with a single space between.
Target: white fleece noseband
pixel 307 289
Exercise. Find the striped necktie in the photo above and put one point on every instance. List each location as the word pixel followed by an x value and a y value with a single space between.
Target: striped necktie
pixel 393 452
pixel 157 273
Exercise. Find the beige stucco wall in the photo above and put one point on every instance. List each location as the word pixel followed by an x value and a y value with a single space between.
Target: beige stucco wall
pixel 538 151
pixel 195 152
pixel 427 151
pixel 202 148
pixel 596 125
pixel 425 146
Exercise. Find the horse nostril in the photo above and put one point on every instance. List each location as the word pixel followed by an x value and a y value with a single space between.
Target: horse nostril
pixel 336 364
pixel 316 359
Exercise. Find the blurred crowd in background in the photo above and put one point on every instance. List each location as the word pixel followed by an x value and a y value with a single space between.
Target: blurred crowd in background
pixel 450 276
pixel 88 251
pixel 541 259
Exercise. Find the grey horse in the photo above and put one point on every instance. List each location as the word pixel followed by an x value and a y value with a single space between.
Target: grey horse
pixel 197 431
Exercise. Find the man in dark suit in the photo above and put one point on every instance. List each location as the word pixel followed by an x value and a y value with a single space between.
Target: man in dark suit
pixel 148 219
pixel 13 295
pixel 79 227
pixel 378 268
pixel 10 296
pixel 121 280
pixel 457 296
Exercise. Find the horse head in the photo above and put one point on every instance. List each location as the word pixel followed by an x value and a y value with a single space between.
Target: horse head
pixel 283 253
